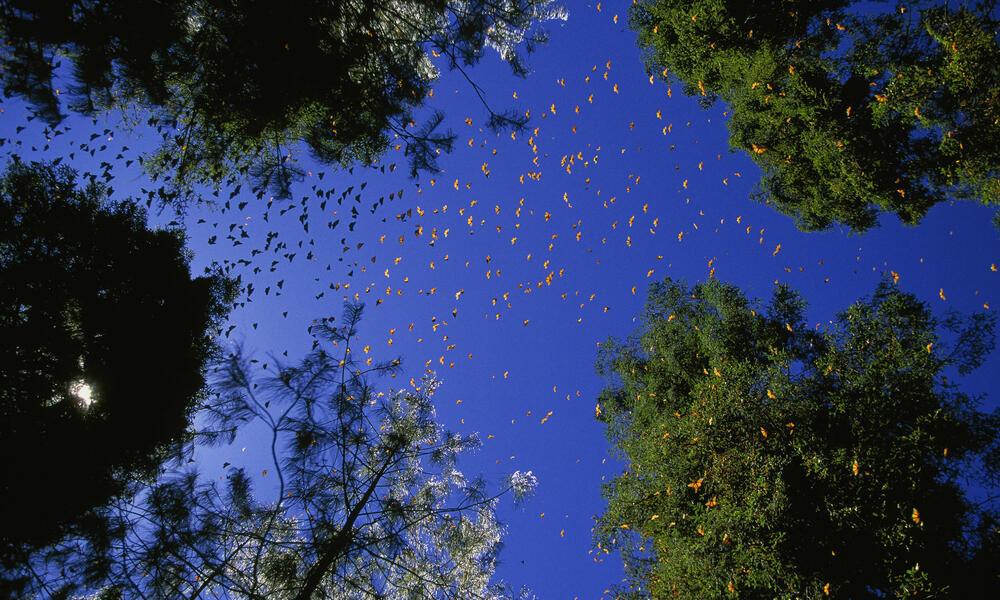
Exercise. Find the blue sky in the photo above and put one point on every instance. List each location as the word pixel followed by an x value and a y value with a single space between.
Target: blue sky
pixel 651 191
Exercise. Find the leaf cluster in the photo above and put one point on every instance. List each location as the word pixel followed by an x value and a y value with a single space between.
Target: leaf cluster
pixel 769 460
pixel 849 110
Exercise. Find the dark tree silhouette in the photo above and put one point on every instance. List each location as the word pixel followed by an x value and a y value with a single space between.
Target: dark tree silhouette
pixel 849 108
pixel 105 338
pixel 769 460
pixel 235 87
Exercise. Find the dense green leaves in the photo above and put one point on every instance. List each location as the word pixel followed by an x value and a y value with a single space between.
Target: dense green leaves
pixel 770 460
pixel 849 111
pixel 236 87
pixel 105 342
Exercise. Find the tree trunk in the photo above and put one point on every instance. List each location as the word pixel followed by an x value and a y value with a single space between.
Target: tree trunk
pixel 336 546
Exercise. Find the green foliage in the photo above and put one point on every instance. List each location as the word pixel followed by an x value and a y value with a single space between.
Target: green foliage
pixel 363 498
pixel 769 460
pixel 849 111
pixel 236 87
pixel 90 298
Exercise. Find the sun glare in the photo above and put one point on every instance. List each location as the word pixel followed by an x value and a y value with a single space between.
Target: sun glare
pixel 82 391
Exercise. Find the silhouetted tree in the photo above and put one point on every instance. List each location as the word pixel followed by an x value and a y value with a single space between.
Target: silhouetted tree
pixel 236 86
pixel 769 460
pixel 848 110
pixel 105 338
pixel 362 499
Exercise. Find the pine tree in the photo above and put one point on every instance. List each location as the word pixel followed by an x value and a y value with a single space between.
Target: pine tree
pixel 362 499
pixel 766 459
pixel 850 109
pixel 106 338
pixel 236 87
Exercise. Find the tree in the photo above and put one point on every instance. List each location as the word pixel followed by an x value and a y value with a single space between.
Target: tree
pixel 105 342
pixel 768 460
pixel 235 87
pixel 362 499
pixel 848 110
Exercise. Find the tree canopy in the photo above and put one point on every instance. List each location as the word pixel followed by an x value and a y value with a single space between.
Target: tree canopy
pixel 769 460
pixel 363 498
pixel 105 341
pixel 236 87
pixel 849 110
